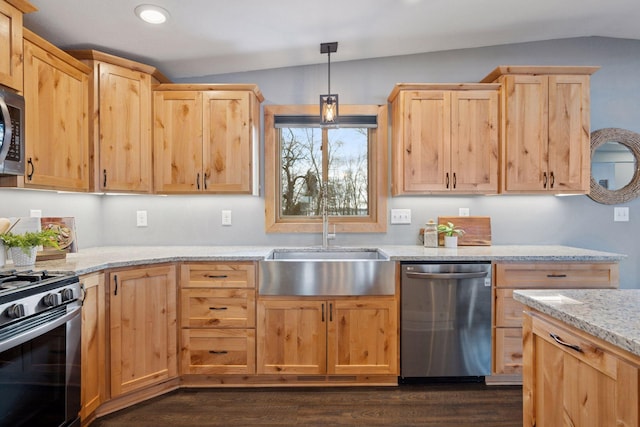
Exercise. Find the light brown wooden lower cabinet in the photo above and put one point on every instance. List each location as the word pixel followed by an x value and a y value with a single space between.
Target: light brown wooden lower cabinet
pixel 597 386
pixel 92 389
pixel 143 327
pixel 345 336
pixel 507 312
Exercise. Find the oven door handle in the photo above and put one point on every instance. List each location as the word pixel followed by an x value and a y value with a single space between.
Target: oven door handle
pixel 8 130
pixel 447 275
pixel 39 330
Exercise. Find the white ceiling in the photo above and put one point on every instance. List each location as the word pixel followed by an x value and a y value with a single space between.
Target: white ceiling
pixel 206 37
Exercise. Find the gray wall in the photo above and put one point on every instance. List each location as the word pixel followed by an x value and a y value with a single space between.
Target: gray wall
pixel 576 220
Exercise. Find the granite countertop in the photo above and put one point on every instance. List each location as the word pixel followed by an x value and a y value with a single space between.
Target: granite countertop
pixel 608 314
pixel 100 258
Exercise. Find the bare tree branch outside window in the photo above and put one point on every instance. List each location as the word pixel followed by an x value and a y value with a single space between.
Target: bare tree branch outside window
pixel 301 163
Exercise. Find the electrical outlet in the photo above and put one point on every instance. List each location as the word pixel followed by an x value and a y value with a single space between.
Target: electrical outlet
pixel 463 212
pixel 141 218
pixel 621 214
pixel 226 217
pixel 400 216
pixel 35 213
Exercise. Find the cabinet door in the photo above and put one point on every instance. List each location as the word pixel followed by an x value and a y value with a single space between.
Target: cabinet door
pixel 177 141
pixel 565 386
pixel 10 46
pixel 227 142
pixel 474 141
pixel 57 127
pixel 291 337
pixel 143 327
pixel 124 129
pixel 427 141
pixel 93 344
pixel 569 135
pixel 362 337
pixel 525 133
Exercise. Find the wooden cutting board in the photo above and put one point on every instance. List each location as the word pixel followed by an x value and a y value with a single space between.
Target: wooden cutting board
pixel 477 229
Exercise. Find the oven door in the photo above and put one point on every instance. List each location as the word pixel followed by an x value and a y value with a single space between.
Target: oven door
pixel 40 370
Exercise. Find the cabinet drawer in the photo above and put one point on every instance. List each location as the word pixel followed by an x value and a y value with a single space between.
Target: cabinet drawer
pixel 557 275
pixel 508 310
pixel 220 308
pixel 218 351
pixel 508 351
pixel 218 275
pixel 585 350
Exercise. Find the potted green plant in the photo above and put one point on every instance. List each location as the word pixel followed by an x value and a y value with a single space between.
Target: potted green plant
pixel 451 233
pixel 24 247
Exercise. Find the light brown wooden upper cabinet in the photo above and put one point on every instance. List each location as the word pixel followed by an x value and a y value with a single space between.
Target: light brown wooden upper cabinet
pixel 445 138
pixel 545 123
pixel 11 53
pixel 56 91
pixel 121 122
pixel 206 138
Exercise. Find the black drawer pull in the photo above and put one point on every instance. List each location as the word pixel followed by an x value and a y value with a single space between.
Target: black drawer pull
pixel 556 275
pixel 218 352
pixel 214 276
pixel 217 308
pixel 566 344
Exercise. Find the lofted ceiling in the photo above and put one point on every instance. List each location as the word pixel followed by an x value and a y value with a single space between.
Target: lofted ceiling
pixel 207 37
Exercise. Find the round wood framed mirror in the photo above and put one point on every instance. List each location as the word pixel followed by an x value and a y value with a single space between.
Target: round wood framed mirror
pixel 615 154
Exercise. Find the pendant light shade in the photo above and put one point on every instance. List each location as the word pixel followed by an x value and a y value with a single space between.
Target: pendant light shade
pixel 329 102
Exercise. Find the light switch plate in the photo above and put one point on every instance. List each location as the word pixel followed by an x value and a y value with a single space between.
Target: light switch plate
pixel 621 214
pixel 463 211
pixel 400 216
pixel 35 213
pixel 226 217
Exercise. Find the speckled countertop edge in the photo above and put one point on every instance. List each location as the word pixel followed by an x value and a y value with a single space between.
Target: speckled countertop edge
pixel 99 258
pixel 612 315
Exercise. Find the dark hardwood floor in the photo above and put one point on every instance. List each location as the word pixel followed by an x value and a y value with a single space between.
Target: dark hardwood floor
pixel 467 404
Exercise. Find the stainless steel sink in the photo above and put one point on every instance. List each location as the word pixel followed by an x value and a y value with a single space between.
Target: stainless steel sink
pixel 326 272
pixel 326 254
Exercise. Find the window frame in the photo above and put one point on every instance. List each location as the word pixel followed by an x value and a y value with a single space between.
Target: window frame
pixel 375 222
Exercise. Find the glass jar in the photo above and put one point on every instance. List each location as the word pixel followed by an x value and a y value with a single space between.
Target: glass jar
pixel 430 234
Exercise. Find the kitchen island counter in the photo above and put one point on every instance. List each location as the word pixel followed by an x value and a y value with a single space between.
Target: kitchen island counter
pixel 608 314
pixel 99 258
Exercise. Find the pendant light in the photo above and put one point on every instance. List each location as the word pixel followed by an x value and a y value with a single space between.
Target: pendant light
pixel 329 102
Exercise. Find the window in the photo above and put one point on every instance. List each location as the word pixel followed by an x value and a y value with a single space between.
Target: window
pixel 302 160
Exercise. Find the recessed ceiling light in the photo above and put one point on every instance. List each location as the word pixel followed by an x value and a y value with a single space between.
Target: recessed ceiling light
pixel 151 13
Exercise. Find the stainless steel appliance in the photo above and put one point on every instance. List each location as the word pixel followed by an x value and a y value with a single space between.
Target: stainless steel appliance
pixel 11 133
pixel 39 349
pixel 445 320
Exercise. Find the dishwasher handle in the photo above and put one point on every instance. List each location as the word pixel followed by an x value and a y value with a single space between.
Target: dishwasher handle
pixel 436 276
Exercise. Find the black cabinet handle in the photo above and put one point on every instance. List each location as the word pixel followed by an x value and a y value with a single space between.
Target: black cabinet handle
pixel 455 180
pixel 205 176
pixel 218 276
pixel 447 179
pixel 33 169
pixel 323 312
pixel 544 180
pixel 218 308
pixel 115 280
pixel 218 352
pixel 553 179
pixel 104 178
pixel 553 276
pixel 198 181
pixel 557 339
pixel 330 312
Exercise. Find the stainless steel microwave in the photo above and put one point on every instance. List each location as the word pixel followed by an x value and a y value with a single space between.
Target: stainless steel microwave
pixel 11 133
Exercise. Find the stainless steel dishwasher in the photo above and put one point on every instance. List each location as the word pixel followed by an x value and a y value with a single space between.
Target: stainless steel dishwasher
pixel 445 320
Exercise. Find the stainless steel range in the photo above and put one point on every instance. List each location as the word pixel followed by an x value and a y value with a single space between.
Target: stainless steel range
pixel 39 349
